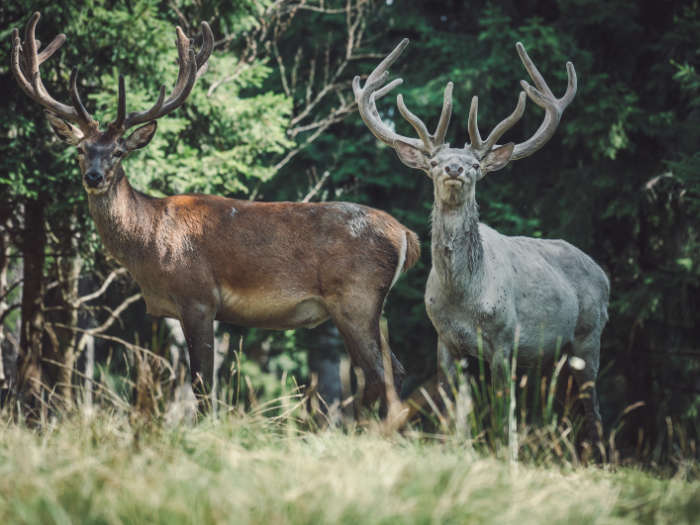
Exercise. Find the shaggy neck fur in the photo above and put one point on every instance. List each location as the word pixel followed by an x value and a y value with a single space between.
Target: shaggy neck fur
pixel 456 245
pixel 122 215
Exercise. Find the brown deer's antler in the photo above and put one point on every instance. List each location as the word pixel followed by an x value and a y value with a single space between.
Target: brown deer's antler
pixel 191 67
pixel 540 95
pixel 25 67
pixel 367 96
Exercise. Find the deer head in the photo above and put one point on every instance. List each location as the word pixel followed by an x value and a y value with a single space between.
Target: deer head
pixel 100 151
pixel 454 171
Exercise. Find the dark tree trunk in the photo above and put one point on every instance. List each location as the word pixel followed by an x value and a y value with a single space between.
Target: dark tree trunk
pixel 5 380
pixel 62 352
pixel 29 361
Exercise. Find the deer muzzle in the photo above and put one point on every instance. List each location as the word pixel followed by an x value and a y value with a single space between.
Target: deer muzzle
pixel 93 178
pixel 454 170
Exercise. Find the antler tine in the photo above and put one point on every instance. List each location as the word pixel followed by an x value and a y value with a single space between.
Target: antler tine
pixel 543 97
pixel 51 48
pixel 121 105
pixel 445 115
pixel 383 91
pixel 388 61
pixel 367 96
pixel 25 68
pixel 506 123
pixel 206 49
pixel 31 63
pixel 416 122
pixel 473 127
pixel 75 98
pixel 434 141
pixel 184 46
pixel 187 74
pixel 482 147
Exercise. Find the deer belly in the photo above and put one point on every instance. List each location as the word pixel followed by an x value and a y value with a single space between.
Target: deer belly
pixel 271 310
pixel 159 306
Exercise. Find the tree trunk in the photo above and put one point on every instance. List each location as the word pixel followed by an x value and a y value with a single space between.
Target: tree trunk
pixel 69 266
pixel 4 306
pixel 32 327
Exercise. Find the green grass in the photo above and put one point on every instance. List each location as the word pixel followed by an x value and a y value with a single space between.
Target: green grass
pixel 252 469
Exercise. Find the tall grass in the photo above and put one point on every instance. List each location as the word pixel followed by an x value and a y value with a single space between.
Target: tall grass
pixel 242 468
pixel 270 455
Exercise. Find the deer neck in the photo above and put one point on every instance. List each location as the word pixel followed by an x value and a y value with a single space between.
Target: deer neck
pixel 124 220
pixel 456 244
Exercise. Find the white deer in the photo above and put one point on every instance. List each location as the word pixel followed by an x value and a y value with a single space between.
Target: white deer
pixel 484 287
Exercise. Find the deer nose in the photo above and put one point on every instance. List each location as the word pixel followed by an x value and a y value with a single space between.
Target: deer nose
pixel 93 178
pixel 453 170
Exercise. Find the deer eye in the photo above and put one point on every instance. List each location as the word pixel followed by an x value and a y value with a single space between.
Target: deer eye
pixel 433 163
pixel 476 165
pixel 118 153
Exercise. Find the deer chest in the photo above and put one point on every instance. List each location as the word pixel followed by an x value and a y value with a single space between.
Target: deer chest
pixel 467 325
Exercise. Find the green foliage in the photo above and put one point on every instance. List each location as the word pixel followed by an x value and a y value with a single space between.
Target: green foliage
pixel 281 373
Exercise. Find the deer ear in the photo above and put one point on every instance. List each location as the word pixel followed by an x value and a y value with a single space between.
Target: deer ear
pixel 497 158
pixel 411 156
pixel 141 136
pixel 65 131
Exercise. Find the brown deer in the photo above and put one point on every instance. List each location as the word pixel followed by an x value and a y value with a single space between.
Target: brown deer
pixel 485 287
pixel 200 258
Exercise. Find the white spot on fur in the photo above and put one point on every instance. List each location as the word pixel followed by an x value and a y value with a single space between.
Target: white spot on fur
pixel 577 363
pixel 234 211
pixel 357 225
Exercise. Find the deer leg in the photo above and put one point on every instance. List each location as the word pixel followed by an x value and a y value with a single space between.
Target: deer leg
pixel 454 382
pixel 500 365
pixel 357 320
pixel 588 349
pixel 198 327
pixel 446 368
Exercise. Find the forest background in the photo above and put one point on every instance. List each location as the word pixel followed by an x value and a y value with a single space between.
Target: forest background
pixel 273 119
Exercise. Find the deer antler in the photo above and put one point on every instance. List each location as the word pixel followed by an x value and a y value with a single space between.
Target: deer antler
pixel 368 95
pixel 25 67
pixel 26 61
pixel 540 95
pixel 191 68
pixel 482 147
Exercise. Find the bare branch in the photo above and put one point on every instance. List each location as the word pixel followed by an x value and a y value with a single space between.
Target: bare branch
pixel 313 191
pixel 7 311
pixel 240 68
pixel 308 77
pixel 126 344
pixel 283 71
pixel 323 126
pixel 180 16
pixel 10 289
pixel 116 313
pixel 102 289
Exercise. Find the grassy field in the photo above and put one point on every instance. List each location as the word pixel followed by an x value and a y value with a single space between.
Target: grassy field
pixel 251 469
